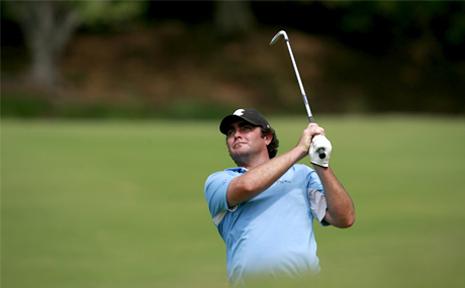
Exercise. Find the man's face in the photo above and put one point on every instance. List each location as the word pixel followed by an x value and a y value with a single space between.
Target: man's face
pixel 245 140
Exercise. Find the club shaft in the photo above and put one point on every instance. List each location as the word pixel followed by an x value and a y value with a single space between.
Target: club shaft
pixel 301 86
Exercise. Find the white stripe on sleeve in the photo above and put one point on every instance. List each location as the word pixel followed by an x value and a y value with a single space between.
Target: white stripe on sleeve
pixel 318 204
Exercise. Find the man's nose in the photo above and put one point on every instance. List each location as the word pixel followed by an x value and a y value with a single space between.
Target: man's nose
pixel 237 133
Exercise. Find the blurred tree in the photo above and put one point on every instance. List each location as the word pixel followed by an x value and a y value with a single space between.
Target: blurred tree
pixel 110 14
pixel 383 25
pixel 233 17
pixel 48 26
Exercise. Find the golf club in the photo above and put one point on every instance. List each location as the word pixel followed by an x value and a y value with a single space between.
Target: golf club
pixel 321 150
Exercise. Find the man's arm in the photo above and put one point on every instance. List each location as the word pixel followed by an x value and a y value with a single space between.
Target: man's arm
pixel 341 212
pixel 259 178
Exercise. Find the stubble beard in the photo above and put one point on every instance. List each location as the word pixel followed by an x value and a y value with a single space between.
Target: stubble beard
pixel 241 159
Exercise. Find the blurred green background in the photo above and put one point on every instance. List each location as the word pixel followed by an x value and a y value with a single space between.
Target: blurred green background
pixel 120 204
pixel 109 128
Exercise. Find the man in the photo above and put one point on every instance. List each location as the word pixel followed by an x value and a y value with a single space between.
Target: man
pixel 263 209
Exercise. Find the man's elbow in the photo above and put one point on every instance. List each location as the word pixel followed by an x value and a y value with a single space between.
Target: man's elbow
pixel 347 221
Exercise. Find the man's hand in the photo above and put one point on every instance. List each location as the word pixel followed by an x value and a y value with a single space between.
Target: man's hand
pixel 320 150
pixel 315 144
pixel 307 136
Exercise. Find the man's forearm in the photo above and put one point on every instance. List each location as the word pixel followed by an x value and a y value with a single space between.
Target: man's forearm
pixel 259 178
pixel 341 212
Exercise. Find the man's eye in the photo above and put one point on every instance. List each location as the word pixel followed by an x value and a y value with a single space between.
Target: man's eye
pixel 230 132
pixel 247 127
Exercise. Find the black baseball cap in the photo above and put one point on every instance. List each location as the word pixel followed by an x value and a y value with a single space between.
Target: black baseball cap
pixel 248 114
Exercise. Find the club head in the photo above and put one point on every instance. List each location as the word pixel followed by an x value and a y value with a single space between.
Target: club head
pixel 276 37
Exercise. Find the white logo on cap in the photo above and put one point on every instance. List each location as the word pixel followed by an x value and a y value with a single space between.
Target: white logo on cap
pixel 239 112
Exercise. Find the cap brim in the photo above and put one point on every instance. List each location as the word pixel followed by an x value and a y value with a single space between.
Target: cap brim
pixel 226 122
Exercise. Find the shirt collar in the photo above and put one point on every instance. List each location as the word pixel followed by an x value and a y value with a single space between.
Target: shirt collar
pixel 285 178
pixel 237 169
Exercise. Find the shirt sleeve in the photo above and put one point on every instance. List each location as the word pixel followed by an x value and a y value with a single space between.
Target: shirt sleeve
pixel 316 197
pixel 216 187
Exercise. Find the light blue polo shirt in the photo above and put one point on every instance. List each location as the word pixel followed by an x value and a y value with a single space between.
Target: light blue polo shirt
pixel 272 233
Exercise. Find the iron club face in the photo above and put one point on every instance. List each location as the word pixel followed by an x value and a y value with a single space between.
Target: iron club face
pixel 276 37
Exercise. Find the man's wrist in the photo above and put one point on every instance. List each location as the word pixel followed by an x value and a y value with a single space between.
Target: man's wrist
pixel 319 167
pixel 301 151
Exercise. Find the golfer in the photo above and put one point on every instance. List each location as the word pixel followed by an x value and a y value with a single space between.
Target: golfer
pixel 264 207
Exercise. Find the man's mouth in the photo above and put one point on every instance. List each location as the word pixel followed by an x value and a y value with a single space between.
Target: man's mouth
pixel 237 144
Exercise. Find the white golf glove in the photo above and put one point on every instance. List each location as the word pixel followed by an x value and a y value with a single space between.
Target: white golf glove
pixel 320 151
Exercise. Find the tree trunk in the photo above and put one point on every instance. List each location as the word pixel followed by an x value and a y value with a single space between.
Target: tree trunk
pixel 47 27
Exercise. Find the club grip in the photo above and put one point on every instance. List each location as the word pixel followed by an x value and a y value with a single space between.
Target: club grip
pixel 321 151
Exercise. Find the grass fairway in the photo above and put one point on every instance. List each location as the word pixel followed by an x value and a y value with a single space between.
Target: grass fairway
pixel 120 204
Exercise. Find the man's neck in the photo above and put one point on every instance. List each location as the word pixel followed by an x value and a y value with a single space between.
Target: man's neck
pixel 255 161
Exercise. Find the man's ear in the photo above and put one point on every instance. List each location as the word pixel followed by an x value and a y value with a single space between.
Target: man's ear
pixel 268 138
